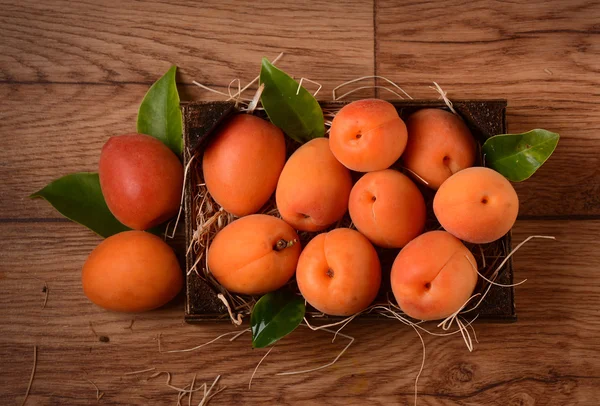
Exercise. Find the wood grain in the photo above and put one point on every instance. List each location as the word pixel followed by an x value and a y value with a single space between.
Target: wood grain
pixel 549 357
pixel 73 73
pixel 543 57
pixel 213 41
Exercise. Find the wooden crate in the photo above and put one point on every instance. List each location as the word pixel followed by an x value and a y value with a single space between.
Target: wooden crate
pixel 484 118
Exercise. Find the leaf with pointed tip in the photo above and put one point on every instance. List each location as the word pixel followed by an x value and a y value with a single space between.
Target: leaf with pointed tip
pixel 290 106
pixel 274 316
pixel 160 115
pixel 78 197
pixel 518 156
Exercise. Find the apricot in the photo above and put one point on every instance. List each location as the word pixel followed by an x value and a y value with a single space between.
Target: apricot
pixel 439 145
pixel 367 135
pixel 242 164
pixel 141 180
pixel 132 271
pixel 255 254
pixel 339 272
pixel 477 205
pixel 433 276
pixel 313 189
pixel 388 208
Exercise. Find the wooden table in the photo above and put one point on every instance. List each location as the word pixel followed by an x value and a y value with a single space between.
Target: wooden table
pixel 73 73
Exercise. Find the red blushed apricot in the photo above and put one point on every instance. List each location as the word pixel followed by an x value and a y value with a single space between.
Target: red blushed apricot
pixel 141 180
pixel 439 145
pixel 132 271
pixel 367 135
pixel 242 164
pixel 255 254
pixel 339 272
pixel 433 276
pixel 313 189
pixel 388 208
pixel 477 205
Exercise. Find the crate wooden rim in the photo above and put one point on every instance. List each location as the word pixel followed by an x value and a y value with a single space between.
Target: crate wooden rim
pixel 484 117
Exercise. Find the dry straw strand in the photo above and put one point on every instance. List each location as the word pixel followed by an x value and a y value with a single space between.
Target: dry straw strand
pixel 335 97
pixel 504 261
pixel 422 364
pixel 235 320
pixel 273 62
pixel 254 103
pixel 237 334
pixel 492 282
pixel 98 393
pixel 209 89
pixel 207 396
pixel 326 365
pixel 257 365
pixel 416 176
pixel 192 391
pixel 181 202
pixel 168 383
pixel 32 375
pixel 302 79
pixel 444 96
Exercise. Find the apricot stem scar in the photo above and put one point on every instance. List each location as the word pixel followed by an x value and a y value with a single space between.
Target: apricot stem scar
pixel 283 244
pixel 330 273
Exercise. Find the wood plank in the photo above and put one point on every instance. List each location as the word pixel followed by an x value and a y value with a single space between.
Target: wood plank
pixel 549 356
pixel 213 42
pixel 67 133
pixel 541 56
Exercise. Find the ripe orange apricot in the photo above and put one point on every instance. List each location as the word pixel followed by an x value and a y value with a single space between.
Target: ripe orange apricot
pixel 141 180
pixel 339 272
pixel 255 254
pixel 439 145
pixel 242 164
pixel 433 276
pixel 367 135
pixel 477 205
pixel 313 189
pixel 132 271
pixel 388 208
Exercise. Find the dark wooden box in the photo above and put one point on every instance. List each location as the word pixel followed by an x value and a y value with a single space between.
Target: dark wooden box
pixel 484 118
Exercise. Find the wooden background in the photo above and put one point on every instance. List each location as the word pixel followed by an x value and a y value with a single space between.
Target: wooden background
pixel 73 73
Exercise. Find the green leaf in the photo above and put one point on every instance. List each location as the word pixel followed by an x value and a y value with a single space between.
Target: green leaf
pixel 274 316
pixel 298 115
pixel 518 156
pixel 160 115
pixel 78 197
